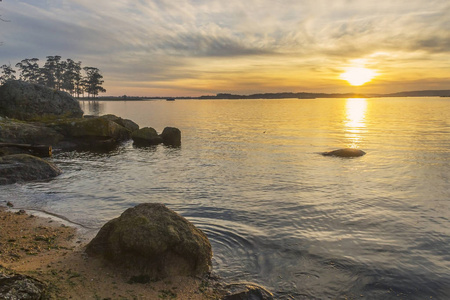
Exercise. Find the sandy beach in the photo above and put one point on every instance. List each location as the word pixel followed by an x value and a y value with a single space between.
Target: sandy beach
pixel 53 253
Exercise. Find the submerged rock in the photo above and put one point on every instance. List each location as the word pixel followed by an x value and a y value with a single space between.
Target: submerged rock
pixel 171 136
pixel 25 167
pixel 146 136
pixel 246 291
pixel 22 287
pixel 153 241
pixel 28 101
pixel 346 152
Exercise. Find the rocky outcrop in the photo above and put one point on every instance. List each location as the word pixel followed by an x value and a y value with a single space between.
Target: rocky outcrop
pixel 146 136
pixel 89 133
pixel 25 167
pixel 246 291
pixel 153 241
pixel 171 136
pixel 97 128
pixel 128 124
pixel 346 152
pixel 27 101
pixel 16 286
pixel 14 131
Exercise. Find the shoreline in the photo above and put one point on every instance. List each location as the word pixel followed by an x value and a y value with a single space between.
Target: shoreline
pixel 52 252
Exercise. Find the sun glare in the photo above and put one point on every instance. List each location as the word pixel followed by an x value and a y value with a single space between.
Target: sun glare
pixel 357 76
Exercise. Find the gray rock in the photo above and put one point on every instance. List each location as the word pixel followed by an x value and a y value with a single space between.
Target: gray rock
pixel 153 241
pixel 14 131
pixel 15 287
pixel 247 291
pixel 128 124
pixel 145 137
pixel 27 101
pixel 171 136
pixel 346 152
pixel 24 167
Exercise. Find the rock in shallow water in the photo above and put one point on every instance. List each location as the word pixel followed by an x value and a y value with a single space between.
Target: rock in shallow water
pixel 171 136
pixel 246 291
pixel 146 136
pixel 24 167
pixel 152 240
pixel 346 152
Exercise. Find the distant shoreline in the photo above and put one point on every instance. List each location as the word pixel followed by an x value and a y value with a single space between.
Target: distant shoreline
pixel 287 95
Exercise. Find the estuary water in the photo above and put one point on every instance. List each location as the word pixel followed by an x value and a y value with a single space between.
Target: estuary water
pixel 249 174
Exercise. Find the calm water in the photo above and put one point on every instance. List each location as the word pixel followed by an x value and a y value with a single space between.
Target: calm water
pixel 277 213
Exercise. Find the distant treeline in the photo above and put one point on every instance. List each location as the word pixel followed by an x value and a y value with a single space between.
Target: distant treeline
pixel 288 95
pixel 66 75
pixel 302 95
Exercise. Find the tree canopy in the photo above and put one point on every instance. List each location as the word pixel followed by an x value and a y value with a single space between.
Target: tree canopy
pixel 66 75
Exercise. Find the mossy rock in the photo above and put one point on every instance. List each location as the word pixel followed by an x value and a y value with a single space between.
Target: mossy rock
pixel 146 136
pixel 99 128
pixel 154 241
pixel 15 131
pixel 171 136
pixel 128 124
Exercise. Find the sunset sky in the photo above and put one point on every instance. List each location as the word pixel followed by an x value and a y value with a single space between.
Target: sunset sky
pixel 200 47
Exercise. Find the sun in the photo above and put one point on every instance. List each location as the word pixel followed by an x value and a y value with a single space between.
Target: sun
pixel 357 76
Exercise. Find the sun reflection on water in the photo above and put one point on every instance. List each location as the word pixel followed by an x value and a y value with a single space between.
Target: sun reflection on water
pixel 355 121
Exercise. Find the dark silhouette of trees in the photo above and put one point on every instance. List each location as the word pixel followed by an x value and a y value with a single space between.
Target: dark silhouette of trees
pixel 71 79
pixel 29 70
pixel 52 72
pixel 93 81
pixel 7 73
pixel 57 74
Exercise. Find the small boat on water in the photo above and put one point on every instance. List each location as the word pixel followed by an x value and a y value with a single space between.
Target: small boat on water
pixel 170 99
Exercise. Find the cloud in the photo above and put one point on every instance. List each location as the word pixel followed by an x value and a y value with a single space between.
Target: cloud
pixel 162 40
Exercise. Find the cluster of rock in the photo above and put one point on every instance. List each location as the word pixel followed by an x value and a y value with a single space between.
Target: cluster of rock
pixel 149 241
pixel 35 119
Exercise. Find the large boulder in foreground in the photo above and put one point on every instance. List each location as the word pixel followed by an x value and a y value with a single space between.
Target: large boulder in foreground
pixel 25 167
pixel 153 241
pixel 28 101
pixel 346 152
